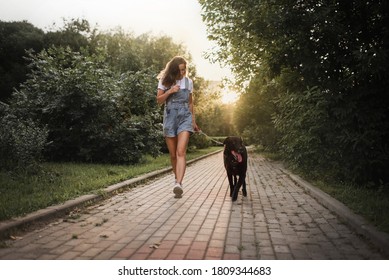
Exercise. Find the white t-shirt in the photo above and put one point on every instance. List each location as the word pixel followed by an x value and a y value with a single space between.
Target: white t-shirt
pixel 178 82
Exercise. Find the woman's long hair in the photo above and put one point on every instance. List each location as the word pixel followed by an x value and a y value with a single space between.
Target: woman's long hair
pixel 172 71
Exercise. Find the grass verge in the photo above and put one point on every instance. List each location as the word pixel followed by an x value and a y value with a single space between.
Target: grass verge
pixel 58 182
pixel 370 203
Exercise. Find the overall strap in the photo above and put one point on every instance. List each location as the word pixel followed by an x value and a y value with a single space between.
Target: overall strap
pixel 186 82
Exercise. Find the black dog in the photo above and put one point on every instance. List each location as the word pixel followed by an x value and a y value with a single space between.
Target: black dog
pixel 235 162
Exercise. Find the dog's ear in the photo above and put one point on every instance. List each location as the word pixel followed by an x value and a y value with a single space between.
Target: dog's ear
pixel 225 141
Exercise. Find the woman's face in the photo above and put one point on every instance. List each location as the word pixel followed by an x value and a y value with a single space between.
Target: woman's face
pixel 182 68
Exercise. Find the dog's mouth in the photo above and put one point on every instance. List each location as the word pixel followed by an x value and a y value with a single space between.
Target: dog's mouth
pixel 237 156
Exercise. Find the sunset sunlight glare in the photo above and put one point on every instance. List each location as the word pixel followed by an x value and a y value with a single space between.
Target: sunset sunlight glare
pixel 229 97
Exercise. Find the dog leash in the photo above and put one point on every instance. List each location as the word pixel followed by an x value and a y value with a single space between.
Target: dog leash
pixel 210 138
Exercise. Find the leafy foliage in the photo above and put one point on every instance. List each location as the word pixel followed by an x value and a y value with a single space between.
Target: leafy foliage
pixel 93 92
pixel 253 115
pixel 21 142
pixel 128 53
pixel 326 64
pixel 214 117
pixel 15 38
pixel 75 34
pixel 92 113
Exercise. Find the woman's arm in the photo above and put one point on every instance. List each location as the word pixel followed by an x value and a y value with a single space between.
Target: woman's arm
pixel 163 95
pixel 191 108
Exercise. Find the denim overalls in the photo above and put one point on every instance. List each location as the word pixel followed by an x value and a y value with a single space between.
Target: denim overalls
pixel 177 116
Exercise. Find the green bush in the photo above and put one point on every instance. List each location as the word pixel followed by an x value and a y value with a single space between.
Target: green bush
pixel 199 141
pixel 21 142
pixel 304 124
pixel 92 113
pixel 334 134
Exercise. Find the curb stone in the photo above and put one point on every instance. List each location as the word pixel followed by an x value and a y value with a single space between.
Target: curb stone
pixel 358 223
pixel 51 212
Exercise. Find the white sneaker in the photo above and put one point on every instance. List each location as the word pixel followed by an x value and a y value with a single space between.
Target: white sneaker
pixel 177 190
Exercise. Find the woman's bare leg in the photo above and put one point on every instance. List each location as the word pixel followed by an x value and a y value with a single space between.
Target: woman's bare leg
pixel 182 144
pixel 171 143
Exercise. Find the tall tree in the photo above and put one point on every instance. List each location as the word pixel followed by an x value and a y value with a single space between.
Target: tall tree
pixel 127 52
pixel 15 39
pixel 74 33
pixel 328 62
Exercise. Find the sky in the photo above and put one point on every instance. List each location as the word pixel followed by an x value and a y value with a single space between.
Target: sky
pixel 179 19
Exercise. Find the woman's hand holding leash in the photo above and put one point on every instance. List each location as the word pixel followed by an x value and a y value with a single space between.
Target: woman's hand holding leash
pixel 196 128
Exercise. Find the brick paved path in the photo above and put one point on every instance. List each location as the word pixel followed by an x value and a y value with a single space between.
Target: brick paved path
pixel 278 220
